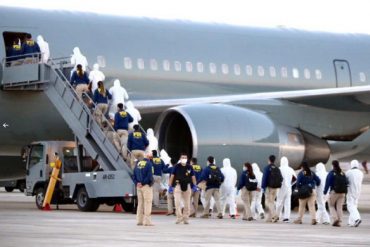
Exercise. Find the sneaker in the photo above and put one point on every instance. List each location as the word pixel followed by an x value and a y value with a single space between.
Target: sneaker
pixel 286 220
pixel 220 216
pixel 233 217
pixel 262 216
pixel 205 216
pixel 313 222
pixel 336 223
pixel 357 223
pixel 297 221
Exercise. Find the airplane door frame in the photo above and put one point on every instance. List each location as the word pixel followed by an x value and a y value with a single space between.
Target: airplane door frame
pixel 342 73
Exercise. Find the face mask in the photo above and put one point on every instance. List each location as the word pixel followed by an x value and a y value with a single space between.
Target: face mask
pixel 244 168
pixel 183 161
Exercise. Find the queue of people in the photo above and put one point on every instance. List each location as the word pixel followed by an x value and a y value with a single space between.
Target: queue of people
pixel 188 179
pixel 25 50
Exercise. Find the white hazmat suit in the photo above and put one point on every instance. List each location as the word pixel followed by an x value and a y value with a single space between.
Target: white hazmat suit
pixel 153 141
pixel 95 76
pixel 135 114
pixel 284 196
pixel 227 189
pixel 355 177
pixel 119 94
pixel 44 48
pixel 256 204
pixel 322 215
pixel 77 58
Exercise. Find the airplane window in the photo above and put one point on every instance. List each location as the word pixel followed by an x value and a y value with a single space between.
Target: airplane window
pixel 260 71
pixel 318 74
pixel 237 69
pixel 307 73
pixel 127 62
pixel 295 73
pixel 153 64
pixel 200 67
pixel 362 77
pixel 249 70
pixel 189 67
pixel 212 68
pixel 177 66
pixel 284 72
pixel 101 61
pixel 225 69
pixel 166 65
pixel 272 71
pixel 140 63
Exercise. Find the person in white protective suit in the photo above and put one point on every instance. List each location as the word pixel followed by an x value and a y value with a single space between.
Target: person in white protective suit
pixel 227 189
pixel 135 114
pixel 355 177
pixel 119 95
pixel 167 161
pixel 322 215
pixel 284 196
pixel 44 48
pixel 78 58
pixel 95 76
pixel 256 204
pixel 153 141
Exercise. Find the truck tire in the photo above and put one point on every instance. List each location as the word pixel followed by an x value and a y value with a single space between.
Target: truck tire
pixel 39 197
pixel 84 203
pixel 21 186
pixel 9 189
pixel 128 207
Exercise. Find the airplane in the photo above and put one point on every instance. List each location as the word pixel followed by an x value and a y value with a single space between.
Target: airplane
pixel 209 89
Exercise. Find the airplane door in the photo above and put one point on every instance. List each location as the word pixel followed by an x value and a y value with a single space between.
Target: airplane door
pixel 342 73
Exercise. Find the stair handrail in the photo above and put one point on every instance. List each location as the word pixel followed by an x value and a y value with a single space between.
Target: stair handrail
pixel 81 101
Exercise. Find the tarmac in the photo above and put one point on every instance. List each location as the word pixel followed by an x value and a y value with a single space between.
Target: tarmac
pixel 22 224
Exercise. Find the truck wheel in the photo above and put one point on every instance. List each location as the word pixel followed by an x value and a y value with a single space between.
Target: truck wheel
pixel 9 189
pixel 21 186
pixel 84 203
pixel 128 207
pixel 39 197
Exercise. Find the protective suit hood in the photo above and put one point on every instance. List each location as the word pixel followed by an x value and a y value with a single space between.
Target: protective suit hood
pixel 354 164
pixel 40 39
pixel 256 168
pixel 226 163
pixel 150 132
pixel 284 162
pixel 76 51
pixel 117 83
pixel 320 168
pixel 96 67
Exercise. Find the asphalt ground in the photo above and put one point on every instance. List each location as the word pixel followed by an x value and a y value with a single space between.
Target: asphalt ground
pixel 22 224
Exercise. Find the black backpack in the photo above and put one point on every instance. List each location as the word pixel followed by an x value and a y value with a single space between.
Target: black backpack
pixel 215 177
pixel 340 183
pixel 275 179
pixel 251 183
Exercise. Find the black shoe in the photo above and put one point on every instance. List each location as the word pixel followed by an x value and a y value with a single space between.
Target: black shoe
pixel 357 222
pixel 232 217
pixel 286 220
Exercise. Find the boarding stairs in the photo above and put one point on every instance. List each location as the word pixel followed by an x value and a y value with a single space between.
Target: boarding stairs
pixel 50 78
